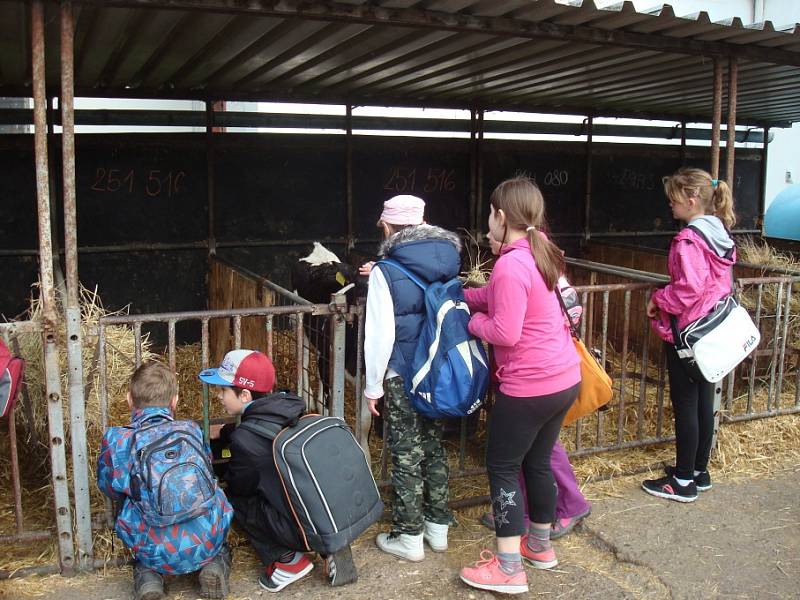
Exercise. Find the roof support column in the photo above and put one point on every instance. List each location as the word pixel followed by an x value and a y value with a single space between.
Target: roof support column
pixel 587 204
pixel 717 117
pixel 348 176
pixel 77 402
pixel 730 147
pixel 212 241
pixel 55 414
pixel 762 188
pixel 477 137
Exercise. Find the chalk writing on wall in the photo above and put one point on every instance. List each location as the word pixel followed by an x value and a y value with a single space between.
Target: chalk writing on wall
pixel 403 180
pixel 154 182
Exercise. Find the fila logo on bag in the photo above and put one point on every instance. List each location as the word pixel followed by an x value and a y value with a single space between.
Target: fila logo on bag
pixel 749 343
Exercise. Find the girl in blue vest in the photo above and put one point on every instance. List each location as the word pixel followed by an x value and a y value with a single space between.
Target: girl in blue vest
pixel 394 318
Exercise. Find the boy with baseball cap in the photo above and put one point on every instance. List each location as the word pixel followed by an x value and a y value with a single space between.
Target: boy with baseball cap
pixel 246 379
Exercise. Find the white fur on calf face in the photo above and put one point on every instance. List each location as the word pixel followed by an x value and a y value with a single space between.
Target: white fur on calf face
pixel 320 256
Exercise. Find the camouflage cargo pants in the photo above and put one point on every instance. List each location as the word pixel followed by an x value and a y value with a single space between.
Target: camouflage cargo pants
pixel 419 464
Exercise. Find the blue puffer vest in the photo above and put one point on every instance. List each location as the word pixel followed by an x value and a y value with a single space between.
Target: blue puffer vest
pixel 431 253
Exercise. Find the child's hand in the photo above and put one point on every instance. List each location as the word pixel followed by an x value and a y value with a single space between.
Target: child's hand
pixel 372 405
pixel 652 309
pixel 366 268
pixel 213 431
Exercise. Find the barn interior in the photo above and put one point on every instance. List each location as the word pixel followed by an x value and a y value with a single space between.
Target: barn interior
pixel 169 226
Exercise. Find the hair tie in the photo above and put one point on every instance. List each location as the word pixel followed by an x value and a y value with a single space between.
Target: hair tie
pixel 530 228
pixel 714 183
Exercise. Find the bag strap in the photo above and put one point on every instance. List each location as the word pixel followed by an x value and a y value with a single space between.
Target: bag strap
pixel 262 427
pixel 404 271
pixel 572 327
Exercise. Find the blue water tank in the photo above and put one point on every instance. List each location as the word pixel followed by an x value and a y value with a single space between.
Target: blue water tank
pixel 783 215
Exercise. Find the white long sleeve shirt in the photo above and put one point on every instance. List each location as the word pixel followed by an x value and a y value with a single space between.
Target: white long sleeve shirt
pixel 378 334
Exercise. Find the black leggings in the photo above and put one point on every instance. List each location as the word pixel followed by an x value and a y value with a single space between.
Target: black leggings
pixel 522 432
pixel 693 408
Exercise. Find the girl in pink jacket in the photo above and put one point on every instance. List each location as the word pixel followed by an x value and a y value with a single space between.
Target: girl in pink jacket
pixel 538 375
pixel 700 263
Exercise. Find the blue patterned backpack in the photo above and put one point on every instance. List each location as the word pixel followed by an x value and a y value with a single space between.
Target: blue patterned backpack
pixel 172 478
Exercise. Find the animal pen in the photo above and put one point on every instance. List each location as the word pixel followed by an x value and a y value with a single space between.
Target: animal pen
pixel 194 232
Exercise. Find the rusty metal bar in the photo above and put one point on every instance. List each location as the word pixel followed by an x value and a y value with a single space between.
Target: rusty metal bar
pixel 317 309
pixel 204 360
pixel 643 380
pixel 270 332
pixel 55 411
pixel 730 147
pixel 237 331
pixel 683 143
pixel 762 415
pixel 479 167
pixel 625 326
pixel 662 359
pixel 300 341
pixel 137 335
pixel 754 355
pixel 337 324
pixel 716 118
pixel 786 312
pixel 600 414
pixel 15 483
pixel 762 187
pixel 102 390
pixel 473 173
pixel 171 344
pixel 773 365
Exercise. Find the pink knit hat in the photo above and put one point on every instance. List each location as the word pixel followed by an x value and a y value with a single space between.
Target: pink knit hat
pixel 403 210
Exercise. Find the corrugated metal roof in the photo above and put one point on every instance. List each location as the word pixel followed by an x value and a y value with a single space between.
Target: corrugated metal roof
pixel 494 54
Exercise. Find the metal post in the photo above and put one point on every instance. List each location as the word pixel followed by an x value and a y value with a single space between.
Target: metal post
pixel 683 143
pixel 348 174
pixel 212 241
pixel 730 147
pixel 337 340
pixel 479 168
pixel 587 205
pixel 77 403
pixel 717 117
pixel 762 188
pixel 473 173
pixel 55 414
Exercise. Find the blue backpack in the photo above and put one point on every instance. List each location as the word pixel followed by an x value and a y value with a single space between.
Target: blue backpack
pixel 171 476
pixel 450 372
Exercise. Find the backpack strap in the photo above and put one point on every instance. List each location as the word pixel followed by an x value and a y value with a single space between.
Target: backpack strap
pixel 572 328
pixel 404 271
pixel 262 427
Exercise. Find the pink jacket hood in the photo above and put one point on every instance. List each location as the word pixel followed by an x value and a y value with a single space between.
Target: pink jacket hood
pixel 699 276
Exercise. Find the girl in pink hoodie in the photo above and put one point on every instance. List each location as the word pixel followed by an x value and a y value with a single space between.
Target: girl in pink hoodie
pixel 700 263
pixel 538 375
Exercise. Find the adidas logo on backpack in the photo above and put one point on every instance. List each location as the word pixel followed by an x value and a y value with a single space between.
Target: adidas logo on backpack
pixel 450 371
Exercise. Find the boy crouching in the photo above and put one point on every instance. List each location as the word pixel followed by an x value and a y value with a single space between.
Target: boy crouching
pixel 172 515
pixel 246 379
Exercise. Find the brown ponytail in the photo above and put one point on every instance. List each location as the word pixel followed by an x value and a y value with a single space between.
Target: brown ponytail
pixel 723 205
pixel 522 202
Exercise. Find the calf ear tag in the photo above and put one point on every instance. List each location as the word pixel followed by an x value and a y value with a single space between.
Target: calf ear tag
pixel 340 279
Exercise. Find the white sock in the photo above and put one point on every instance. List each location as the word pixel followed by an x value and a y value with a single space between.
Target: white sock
pixel 683 482
pixel 696 473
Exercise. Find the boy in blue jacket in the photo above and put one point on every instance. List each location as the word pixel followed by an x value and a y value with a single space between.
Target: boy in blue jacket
pixel 172 515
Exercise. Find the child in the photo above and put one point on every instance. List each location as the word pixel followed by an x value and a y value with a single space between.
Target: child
pixel 394 318
pixel 246 379
pixel 126 474
pixel 538 371
pixel 571 506
pixel 700 273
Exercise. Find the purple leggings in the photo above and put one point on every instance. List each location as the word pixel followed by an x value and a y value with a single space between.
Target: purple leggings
pixel 570 501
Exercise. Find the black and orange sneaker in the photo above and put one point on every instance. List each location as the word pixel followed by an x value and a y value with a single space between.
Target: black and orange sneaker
pixel 667 487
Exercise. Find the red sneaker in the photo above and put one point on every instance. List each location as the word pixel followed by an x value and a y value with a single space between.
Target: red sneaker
pixel 546 559
pixel 487 575
pixel 278 575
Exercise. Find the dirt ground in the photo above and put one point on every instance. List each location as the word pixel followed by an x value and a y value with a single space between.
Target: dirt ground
pixel 739 540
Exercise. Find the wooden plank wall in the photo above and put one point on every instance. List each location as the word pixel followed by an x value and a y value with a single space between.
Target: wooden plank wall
pixel 229 288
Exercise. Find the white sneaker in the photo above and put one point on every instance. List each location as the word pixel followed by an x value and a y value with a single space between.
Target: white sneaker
pixel 403 545
pixel 436 536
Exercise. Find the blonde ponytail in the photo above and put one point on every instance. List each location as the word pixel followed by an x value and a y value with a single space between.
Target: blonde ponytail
pixel 723 204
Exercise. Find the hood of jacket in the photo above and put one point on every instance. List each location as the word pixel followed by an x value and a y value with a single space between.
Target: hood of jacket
pixel 280 407
pixel 714 231
pixel 428 251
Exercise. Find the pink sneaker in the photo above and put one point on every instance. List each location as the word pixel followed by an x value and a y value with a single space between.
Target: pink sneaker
pixel 546 559
pixel 487 575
